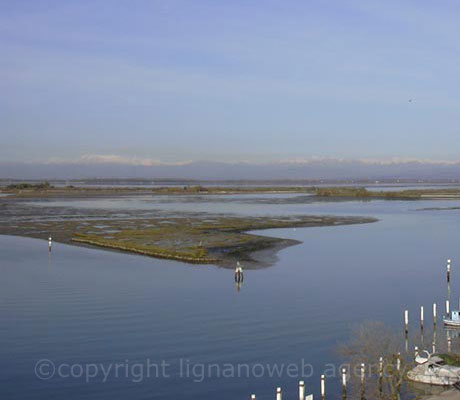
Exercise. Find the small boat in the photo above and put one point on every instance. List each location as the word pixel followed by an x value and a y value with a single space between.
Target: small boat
pixel 434 371
pixel 452 319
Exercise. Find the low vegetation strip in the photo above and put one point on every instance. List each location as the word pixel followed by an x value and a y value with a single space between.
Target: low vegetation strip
pixel 189 237
pixel 44 189
pixel 361 192
pixel 199 257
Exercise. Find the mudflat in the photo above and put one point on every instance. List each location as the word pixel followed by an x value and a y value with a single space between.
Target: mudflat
pixel 192 237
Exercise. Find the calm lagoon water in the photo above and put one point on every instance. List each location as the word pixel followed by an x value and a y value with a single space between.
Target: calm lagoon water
pixel 87 306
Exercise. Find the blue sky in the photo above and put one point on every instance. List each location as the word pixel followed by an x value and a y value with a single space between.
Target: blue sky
pixel 173 80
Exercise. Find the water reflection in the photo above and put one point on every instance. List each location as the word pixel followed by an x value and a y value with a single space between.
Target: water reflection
pixel 238 286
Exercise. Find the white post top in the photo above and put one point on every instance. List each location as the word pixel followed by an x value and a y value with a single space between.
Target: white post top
pixel 449 261
pixel 301 383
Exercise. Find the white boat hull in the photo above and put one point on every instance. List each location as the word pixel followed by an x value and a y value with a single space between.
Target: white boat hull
pixel 449 322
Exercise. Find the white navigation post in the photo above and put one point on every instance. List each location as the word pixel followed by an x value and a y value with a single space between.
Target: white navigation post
pixel 344 383
pixel 448 270
pixel 50 243
pixel 363 391
pixel 435 317
pixel 301 390
pixel 279 394
pixel 323 387
pixel 406 321
pixel 421 317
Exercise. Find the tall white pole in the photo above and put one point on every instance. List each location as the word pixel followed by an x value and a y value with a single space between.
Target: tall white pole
pixel 406 321
pixel 323 387
pixel 421 317
pixel 435 316
pixel 448 308
pixel 301 390
pixel 448 270
pixel 279 394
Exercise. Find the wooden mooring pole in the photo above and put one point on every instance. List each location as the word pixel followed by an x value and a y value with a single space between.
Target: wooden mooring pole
pixel 448 270
pixel 363 386
pixel 279 394
pixel 421 318
pixel 344 383
pixel 301 390
pixel 406 322
pixel 323 387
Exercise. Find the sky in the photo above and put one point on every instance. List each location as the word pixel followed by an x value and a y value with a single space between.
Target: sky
pixel 174 81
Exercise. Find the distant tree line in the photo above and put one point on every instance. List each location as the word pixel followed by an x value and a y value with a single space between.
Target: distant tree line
pixel 34 186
